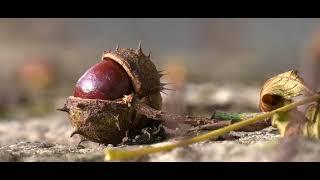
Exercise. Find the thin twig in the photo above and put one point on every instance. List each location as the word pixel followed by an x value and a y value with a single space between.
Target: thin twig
pixel 212 126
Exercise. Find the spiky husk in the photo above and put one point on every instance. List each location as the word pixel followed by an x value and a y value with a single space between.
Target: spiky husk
pixel 143 73
pixel 100 121
pixel 108 122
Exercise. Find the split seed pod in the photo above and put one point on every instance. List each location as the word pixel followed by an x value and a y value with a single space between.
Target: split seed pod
pixel 109 121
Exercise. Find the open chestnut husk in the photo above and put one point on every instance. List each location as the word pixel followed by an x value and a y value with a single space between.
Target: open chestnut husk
pixel 112 117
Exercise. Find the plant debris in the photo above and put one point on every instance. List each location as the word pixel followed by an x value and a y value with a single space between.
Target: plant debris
pixel 276 103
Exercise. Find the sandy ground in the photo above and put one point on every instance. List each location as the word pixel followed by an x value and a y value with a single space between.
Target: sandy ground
pixel 48 138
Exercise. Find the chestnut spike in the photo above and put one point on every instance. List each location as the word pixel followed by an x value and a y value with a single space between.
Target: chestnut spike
pixel 162 88
pixel 82 139
pixel 162 74
pixel 117 47
pixel 163 92
pixel 74 133
pixel 164 84
pixel 64 109
pixel 148 56
pixel 139 49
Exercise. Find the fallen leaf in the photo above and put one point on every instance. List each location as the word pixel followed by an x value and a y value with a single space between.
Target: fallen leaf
pixel 312 130
pixel 279 90
pixel 280 121
pixel 297 123
pixel 290 124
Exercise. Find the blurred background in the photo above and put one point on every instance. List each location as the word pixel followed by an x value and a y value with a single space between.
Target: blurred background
pixel 212 63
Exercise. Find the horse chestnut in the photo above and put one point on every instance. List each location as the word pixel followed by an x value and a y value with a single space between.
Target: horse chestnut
pixel 102 108
pixel 106 80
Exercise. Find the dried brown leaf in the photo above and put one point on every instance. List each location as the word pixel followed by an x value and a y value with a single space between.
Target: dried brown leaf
pixel 297 121
pixel 290 124
pixel 312 130
pixel 280 89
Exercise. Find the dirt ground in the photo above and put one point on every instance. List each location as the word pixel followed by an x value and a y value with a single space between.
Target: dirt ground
pixel 48 138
